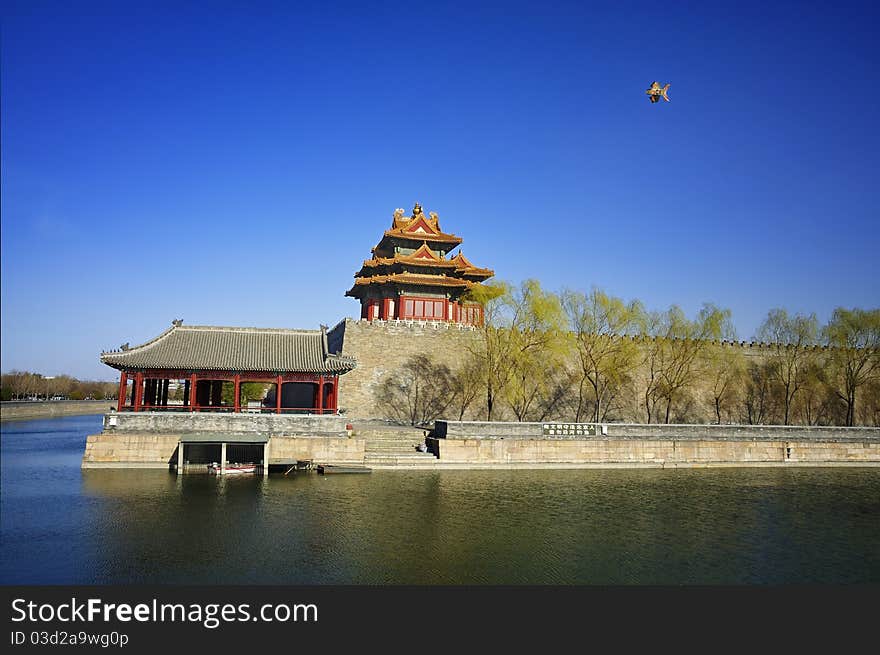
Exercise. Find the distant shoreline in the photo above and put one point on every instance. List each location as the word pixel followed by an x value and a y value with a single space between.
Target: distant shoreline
pixel 19 410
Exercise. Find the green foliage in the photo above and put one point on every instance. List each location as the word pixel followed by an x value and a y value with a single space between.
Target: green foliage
pixel 595 325
pixel 535 347
pixel 673 351
pixel 724 369
pixel 854 336
pixel 792 339
pixel 485 293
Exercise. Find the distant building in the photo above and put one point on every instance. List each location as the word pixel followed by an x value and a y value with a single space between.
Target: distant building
pixel 410 276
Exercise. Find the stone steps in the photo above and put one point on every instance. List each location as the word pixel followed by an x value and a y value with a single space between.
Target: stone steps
pixel 400 459
pixel 390 446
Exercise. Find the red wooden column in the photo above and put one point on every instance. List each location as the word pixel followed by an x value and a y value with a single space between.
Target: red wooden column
pixel 237 407
pixel 193 383
pixel 279 382
pixel 386 309
pixel 138 391
pixel 123 387
pixel 321 394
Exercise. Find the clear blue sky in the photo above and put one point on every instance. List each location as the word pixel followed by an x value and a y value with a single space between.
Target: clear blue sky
pixel 233 163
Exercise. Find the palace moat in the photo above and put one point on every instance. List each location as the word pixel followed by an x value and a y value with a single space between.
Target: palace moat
pixel 61 524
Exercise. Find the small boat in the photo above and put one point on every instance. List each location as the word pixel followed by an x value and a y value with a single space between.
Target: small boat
pixel 232 469
pixel 330 468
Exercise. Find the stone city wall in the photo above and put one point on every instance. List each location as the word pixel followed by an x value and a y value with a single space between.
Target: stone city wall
pixel 382 347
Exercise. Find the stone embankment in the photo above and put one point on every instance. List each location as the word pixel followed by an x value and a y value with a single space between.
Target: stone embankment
pixel 26 410
pixel 152 439
pixel 393 446
pixel 475 444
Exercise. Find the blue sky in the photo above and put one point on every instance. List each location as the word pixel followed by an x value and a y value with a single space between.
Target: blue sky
pixel 233 163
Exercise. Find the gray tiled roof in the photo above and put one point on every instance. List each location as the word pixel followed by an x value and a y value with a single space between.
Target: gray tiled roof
pixel 197 347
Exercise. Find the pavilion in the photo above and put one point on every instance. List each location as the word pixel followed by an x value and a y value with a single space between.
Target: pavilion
pixel 211 364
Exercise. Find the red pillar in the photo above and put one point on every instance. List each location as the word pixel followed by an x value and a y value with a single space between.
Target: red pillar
pixel 279 382
pixel 237 407
pixel 321 395
pixel 138 391
pixel 193 383
pixel 123 387
pixel 386 308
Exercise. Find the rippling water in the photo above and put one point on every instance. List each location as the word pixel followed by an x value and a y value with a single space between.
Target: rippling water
pixel 61 525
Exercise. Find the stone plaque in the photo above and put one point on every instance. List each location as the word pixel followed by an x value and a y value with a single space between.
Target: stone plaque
pixel 569 430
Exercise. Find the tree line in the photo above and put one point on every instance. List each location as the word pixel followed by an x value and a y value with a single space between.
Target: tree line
pixel 24 385
pixel 573 356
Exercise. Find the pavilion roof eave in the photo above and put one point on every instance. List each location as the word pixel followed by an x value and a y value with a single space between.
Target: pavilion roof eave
pixel 415 237
pixel 209 348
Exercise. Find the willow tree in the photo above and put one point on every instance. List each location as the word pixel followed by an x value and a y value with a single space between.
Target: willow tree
pixel 468 382
pixel 492 350
pixel 598 325
pixel 673 351
pixel 854 337
pixel 534 324
pixel 725 370
pixel 791 340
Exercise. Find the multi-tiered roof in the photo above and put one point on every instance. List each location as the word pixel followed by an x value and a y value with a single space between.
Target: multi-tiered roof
pixel 410 263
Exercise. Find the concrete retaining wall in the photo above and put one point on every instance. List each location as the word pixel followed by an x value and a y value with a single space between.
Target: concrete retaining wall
pixel 22 411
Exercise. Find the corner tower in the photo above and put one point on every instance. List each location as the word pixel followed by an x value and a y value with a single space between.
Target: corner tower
pixel 410 275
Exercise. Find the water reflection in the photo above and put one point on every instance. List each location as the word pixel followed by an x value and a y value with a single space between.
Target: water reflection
pixel 454 527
